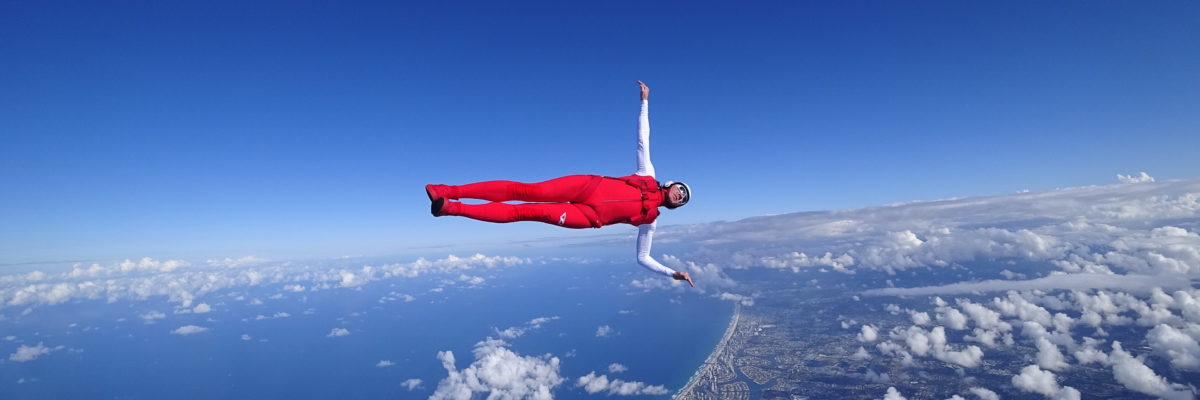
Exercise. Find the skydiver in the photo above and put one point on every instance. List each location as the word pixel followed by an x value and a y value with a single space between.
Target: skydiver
pixel 578 201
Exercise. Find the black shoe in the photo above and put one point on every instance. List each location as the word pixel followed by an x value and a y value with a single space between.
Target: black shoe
pixel 437 207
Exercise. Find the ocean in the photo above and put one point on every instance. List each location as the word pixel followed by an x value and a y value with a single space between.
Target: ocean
pixel 265 342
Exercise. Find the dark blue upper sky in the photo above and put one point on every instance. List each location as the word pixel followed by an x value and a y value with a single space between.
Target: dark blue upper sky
pixel 294 129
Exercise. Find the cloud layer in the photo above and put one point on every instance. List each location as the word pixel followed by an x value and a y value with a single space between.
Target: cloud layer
pixel 1131 222
pixel 181 282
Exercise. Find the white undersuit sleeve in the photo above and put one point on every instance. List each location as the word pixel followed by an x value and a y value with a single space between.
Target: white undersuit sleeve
pixel 645 168
pixel 645 237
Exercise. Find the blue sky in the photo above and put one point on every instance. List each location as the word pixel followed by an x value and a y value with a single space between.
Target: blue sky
pixel 306 130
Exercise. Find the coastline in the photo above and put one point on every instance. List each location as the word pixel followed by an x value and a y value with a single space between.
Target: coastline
pixel 685 391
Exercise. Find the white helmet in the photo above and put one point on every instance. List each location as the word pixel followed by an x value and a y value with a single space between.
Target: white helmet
pixel 687 191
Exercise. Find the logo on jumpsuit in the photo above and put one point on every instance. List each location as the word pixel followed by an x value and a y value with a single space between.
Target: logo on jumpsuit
pixel 562 220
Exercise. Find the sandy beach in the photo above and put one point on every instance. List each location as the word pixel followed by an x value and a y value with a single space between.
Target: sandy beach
pixel 712 359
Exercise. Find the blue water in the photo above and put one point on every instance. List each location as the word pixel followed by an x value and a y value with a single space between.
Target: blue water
pixel 661 336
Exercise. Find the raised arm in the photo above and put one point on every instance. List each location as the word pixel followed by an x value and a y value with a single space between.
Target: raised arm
pixel 645 168
pixel 645 239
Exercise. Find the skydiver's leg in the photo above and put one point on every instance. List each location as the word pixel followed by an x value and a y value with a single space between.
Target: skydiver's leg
pixel 562 214
pixel 562 189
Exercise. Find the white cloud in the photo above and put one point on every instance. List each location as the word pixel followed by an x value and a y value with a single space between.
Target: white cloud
pixel 1089 353
pixel 149 264
pixel 893 394
pixel 411 383
pixel 983 336
pixel 889 348
pixel 188 330
pixel 352 278
pixel 1188 306
pixel 1096 308
pixel 338 332
pixel 869 334
pixel 706 276
pixel 1162 250
pixel 595 384
pixel 743 299
pixel 984 394
pixel 920 318
pixel 798 260
pixel 1141 177
pixel 984 317
pixel 1136 376
pixel 279 314
pixel 152 316
pixel 471 280
pixel 1062 323
pixel 861 354
pixel 202 308
pixel 604 331
pixel 917 341
pixel 1158 297
pixel 876 377
pixel 384 363
pixel 615 368
pixel 537 322
pixel 500 373
pixel 1011 275
pixel 932 343
pixel 1068 393
pixel 952 318
pixel 1048 355
pixel 29 353
pixel 246 337
pixel 969 357
pixel 1181 349
pixel 1018 306
pixel 513 332
pixel 1034 379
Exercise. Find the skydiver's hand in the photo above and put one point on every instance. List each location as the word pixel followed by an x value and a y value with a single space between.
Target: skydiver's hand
pixel 645 90
pixel 683 276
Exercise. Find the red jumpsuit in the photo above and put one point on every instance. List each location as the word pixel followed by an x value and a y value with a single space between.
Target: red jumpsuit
pixel 574 201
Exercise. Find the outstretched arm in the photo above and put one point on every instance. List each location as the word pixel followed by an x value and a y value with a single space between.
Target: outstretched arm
pixel 645 238
pixel 645 168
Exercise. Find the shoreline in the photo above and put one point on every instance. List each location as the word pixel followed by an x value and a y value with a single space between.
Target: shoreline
pixel 712 358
